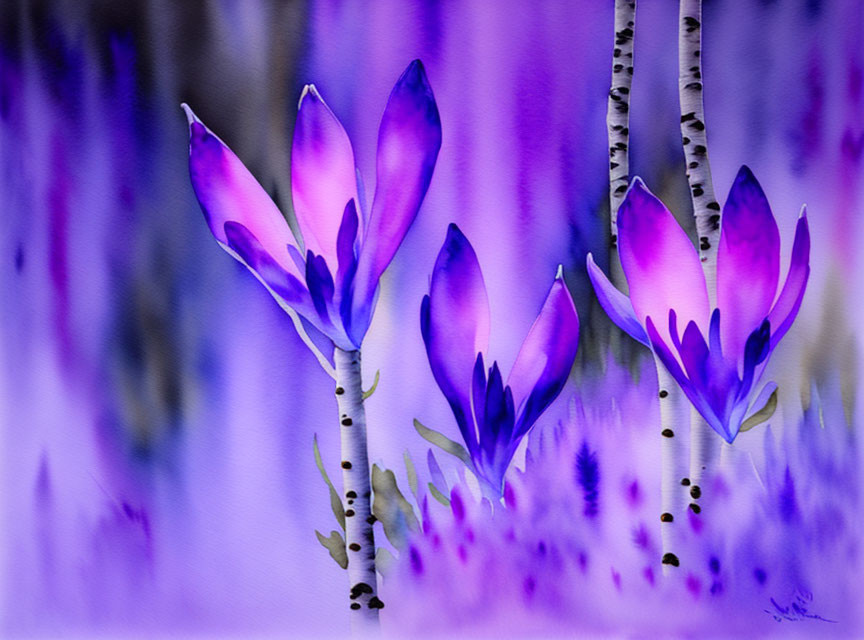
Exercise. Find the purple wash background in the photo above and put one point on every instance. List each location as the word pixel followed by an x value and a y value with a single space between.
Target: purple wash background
pixel 157 409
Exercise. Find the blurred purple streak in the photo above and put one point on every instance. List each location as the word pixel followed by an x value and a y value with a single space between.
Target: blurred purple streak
pixel 157 410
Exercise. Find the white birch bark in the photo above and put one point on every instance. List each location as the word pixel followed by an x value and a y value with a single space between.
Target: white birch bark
pixel 618 129
pixel 672 469
pixel 706 209
pixel 357 493
pixel 704 452
pixel 618 124
pixel 705 206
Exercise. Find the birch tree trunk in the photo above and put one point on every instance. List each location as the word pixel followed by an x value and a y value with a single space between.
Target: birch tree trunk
pixel 704 450
pixel 706 209
pixel 618 128
pixel 357 493
pixel 618 125
pixel 672 468
pixel 705 206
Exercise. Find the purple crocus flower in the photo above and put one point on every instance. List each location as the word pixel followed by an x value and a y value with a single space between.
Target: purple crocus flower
pixel 333 285
pixel 668 294
pixel 492 415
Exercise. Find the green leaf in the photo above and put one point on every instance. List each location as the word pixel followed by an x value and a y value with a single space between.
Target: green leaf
pixel 444 443
pixel 335 503
pixel 411 471
pixel 391 508
pixel 763 415
pixel 374 386
pixel 336 546
pixel 440 497
pixel 384 561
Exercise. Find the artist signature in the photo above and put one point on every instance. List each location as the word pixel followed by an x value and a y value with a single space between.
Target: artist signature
pixel 797 609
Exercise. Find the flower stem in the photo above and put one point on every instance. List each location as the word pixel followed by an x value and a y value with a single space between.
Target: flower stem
pixel 618 122
pixel 357 493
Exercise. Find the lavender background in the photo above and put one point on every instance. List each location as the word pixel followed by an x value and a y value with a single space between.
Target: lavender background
pixel 157 409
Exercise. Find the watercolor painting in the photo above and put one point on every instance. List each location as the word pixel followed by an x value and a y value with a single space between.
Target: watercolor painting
pixel 429 318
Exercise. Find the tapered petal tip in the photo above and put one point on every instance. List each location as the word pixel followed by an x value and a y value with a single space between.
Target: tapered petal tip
pixel 638 195
pixel 415 73
pixel 190 115
pixel 745 174
pixel 746 191
pixel 636 184
pixel 455 238
pixel 309 90
pixel 412 93
pixel 803 213
pixel 559 273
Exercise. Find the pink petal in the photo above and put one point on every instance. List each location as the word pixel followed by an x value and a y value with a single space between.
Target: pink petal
pixel 661 265
pixel 227 192
pixel 323 177
pixel 748 262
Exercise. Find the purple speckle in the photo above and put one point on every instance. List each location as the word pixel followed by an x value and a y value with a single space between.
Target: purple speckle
pixel 19 258
pixel 457 506
pixel 529 585
pixel 588 477
pixel 788 503
pixel 416 560
pixel 583 561
pixel 509 496
pixel 463 553
pixel 634 494
pixel 694 586
pixel 714 565
pixel 641 537
pixel 760 575
pixel 649 575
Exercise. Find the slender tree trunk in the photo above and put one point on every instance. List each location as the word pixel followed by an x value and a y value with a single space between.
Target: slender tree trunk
pixel 693 135
pixel 672 468
pixel 706 209
pixel 618 125
pixel 618 128
pixel 704 450
pixel 357 493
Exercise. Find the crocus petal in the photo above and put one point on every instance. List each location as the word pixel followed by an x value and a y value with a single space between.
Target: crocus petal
pixel 346 256
pixel 456 320
pixel 749 252
pixel 616 305
pixel 247 247
pixel 408 142
pixel 323 177
pixel 694 354
pixel 478 390
pixel 227 192
pixel 659 261
pixel 546 356
pixel 321 286
pixel 789 301
pixel 288 291
pixel 494 412
pixel 756 351
pixel 693 393
pixel 714 379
